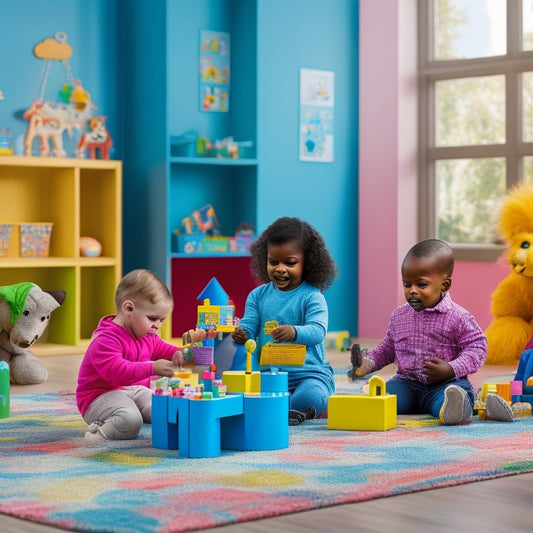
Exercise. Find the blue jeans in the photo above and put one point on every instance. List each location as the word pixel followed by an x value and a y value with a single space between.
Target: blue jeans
pixel 310 392
pixel 414 397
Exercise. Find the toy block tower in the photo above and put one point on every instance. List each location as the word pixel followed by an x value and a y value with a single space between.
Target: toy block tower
pixel 216 309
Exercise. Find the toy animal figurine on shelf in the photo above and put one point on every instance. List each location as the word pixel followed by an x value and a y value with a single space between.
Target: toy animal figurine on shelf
pixel 97 138
pixel 46 128
pixel 47 119
pixel 512 302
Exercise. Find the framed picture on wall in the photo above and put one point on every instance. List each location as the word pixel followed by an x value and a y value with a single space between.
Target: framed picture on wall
pixel 214 85
pixel 317 104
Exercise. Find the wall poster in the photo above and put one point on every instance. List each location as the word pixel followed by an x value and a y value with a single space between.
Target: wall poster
pixel 214 83
pixel 316 115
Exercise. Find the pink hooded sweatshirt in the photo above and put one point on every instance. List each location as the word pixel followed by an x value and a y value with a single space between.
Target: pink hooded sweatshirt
pixel 115 359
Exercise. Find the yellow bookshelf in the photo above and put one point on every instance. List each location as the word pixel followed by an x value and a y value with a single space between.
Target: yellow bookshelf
pixel 81 197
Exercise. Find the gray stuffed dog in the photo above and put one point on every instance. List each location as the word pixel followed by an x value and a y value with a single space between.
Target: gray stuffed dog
pixel 25 311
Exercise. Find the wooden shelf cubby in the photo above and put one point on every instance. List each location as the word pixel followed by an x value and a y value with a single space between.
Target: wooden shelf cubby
pixel 81 198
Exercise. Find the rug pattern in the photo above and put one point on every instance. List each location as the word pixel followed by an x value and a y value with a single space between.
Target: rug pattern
pixel 49 475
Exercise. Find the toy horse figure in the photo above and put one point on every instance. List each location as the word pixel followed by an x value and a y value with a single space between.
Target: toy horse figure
pixel 48 121
pixel 97 138
pixel 46 128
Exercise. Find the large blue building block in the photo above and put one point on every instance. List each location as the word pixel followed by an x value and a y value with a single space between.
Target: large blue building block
pixel 263 425
pixel 237 421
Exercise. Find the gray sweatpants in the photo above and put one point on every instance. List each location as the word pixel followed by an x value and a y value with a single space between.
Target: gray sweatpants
pixel 121 413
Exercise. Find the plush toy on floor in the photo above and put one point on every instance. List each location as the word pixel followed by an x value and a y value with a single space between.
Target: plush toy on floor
pixel 25 311
pixel 512 302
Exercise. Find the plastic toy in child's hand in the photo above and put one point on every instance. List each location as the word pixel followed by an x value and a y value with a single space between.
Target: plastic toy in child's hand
pixel 194 336
pixel 358 360
pixel 188 355
pixel 239 336
pixel 270 326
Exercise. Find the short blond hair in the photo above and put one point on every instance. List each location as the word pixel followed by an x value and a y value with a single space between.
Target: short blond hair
pixel 142 286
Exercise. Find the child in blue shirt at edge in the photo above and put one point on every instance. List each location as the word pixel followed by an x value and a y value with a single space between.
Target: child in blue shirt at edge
pixel 434 342
pixel 291 258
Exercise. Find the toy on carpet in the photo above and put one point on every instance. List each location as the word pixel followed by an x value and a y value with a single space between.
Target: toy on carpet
pixel 203 423
pixel 512 302
pixel 4 390
pixel 25 311
pixel 339 340
pixel 375 411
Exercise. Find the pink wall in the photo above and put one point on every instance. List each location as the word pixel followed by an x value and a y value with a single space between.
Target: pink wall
pixel 473 284
pixel 387 172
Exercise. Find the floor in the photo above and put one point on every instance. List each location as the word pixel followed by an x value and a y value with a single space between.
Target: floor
pixel 488 506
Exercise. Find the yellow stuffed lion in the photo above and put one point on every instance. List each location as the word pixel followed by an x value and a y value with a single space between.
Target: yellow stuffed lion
pixel 512 302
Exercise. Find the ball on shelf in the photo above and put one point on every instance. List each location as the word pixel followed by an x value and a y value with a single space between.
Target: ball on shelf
pixel 90 247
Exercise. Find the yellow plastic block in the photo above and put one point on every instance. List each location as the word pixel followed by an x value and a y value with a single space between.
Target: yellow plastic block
pixel 225 329
pixel 282 354
pixel 187 378
pixel 239 381
pixel 338 339
pixel 373 412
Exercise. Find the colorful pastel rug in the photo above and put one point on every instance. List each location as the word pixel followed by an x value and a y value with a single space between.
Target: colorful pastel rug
pixel 49 475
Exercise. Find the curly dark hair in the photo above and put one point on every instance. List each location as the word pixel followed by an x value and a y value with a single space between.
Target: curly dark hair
pixel 319 268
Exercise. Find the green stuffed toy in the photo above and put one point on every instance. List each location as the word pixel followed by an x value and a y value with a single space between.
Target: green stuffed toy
pixel 25 311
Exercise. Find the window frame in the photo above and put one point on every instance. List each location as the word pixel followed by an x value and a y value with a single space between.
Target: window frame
pixel 514 149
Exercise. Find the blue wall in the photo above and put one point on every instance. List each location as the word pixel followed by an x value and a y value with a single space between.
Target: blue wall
pixel 319 35
pixel 90 28
pixel 291 34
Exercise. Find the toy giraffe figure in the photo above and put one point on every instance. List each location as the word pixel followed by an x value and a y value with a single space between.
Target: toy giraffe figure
pixel 97 138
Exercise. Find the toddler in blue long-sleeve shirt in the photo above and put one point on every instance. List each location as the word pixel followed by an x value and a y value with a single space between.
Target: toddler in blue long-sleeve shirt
pixel 291 258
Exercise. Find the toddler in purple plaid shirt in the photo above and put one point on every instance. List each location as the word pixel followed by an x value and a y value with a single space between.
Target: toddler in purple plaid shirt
pixel 434 342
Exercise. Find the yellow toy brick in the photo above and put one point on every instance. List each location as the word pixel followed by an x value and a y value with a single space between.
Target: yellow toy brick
pixel 282 354
pixel 375 411
pixel 239 381
pixel 187 377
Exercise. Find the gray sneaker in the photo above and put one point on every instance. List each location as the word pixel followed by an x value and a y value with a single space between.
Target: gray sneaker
pixel 456 408
pixel 498 409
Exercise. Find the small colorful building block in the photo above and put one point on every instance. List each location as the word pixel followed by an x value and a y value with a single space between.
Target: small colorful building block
pixel 4 390
pixel 376 411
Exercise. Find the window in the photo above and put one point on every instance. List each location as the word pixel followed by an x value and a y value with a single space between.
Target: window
pixel 476 117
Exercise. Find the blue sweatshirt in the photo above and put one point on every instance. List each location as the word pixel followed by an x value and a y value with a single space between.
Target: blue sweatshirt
pixel 305 309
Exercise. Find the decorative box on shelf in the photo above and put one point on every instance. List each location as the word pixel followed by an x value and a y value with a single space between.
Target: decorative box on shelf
pixel 34 238
pixel 201 243
pixel 5 236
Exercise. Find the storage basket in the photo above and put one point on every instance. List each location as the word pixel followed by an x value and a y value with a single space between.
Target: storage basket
pixel 5 235
pixel 35 239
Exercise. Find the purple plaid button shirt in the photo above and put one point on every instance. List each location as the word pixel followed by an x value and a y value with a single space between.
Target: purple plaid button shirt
pixel 447 331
